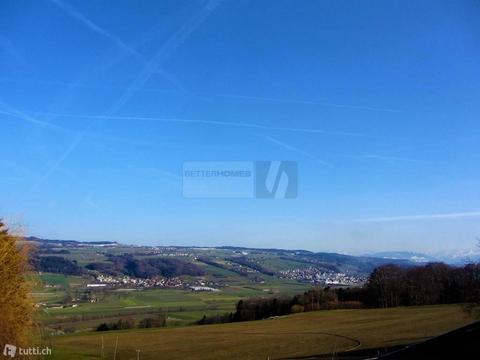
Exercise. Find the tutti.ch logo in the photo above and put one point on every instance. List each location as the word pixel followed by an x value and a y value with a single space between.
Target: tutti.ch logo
pixel 12 350
pixel 9 350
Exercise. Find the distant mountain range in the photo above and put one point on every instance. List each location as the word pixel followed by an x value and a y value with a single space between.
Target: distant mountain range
pixel 255 258
pixel 240 260
pixel 68 242
pixel 458 257
pixel 404 255
pixel 452 257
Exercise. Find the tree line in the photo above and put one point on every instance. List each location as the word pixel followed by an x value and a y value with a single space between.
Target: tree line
pixel 129 323
pixel 263 308
pixel 127 264
pixel 435 283
pixel 387 286
pixel 55 264
pixel 251 264
pixel 117 265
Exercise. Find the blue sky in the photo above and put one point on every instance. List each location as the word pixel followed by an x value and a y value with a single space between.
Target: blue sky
pixel 377 101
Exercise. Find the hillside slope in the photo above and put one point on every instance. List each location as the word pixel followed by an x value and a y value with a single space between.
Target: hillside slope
pixel 291 336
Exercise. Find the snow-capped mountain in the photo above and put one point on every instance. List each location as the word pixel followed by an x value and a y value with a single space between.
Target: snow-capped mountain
pixel 404 255
pixel 452 257
pixel 459 256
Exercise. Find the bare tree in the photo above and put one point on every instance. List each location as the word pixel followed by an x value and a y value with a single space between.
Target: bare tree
pixel 16 309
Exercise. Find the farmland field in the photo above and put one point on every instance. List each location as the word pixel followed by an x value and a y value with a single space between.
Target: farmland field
pixel 320 332
pixel 180 305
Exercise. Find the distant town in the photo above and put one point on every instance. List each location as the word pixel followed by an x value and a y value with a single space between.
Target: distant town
pixel 317 276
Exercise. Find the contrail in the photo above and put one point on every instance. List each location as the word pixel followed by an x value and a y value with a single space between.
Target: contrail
pixel 202 121
pixel 13 112
pixel 9 48
pixel 386 158
pixel 297 150
pixel 78 138
pixel 169 77
pixel 163 54
pixel 459 215
pixel 181 89
pixel 320 131
pixel 115 39
pixel 297 101
pixel 70 10
pixel 159 119
pixel 20 115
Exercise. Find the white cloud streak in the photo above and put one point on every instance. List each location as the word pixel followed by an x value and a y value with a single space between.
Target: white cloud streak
pixel 307 102
pixel 77 139
pixel 200 121
pixel 70 10
pixel 163 54
pixel 74 13
pixel 458 215
pixel 297 150
pixel 204 95
pixel 149 69
pixel 386 158
pixel 11 111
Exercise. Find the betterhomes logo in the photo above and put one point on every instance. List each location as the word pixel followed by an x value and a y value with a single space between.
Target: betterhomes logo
pixel 240 179
pixel 11 351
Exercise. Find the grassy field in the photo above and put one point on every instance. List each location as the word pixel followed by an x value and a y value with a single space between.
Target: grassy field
pixel 290 336
pixel 182 306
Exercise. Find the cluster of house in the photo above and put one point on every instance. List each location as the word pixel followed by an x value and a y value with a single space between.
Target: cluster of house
pixel 318 276
pixel 174 282
pixel 167 251
pixel 122 281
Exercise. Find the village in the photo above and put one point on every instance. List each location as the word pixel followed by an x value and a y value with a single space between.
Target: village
pixel 124 281
pixel 318 276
